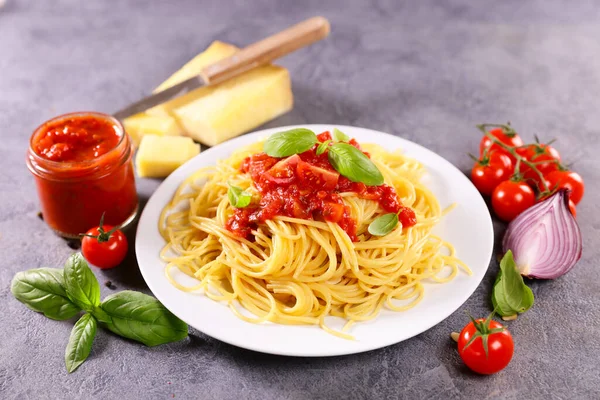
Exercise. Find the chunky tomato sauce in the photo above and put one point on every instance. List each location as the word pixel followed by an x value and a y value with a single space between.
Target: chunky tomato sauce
pixel 307 186
pixel 83 168
pixel 78 138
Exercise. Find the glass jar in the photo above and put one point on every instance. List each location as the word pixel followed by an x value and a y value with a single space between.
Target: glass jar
pixel 75 194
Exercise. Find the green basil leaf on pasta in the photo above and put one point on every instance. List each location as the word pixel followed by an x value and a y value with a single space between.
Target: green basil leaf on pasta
pixel 340 136
pixel 80 342
pixel 290 142
pixel 238 197
pixel 354 164
pixel 43 290
pixel 322 147
pixel 140 317
pixel 81 285
pixel 510 294
pixel 383 224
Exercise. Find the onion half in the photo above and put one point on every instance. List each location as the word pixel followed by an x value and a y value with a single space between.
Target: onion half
pixel 545 239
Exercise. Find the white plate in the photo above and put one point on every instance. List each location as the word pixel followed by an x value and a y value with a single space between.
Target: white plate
pixel 468 227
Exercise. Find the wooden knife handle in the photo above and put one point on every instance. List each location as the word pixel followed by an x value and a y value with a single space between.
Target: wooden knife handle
pixel 263 52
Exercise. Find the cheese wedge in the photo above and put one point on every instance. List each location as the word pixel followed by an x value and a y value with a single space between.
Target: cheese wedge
pixel 221 112
pixel 217 113
pixel 143 124
pixel 158 156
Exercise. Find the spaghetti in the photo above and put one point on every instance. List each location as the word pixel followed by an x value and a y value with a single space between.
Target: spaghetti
pixel 291 270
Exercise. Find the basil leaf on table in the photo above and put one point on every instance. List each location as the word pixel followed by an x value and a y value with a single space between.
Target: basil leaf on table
pixel 383 225
pixel 340 136
pixel 322 147
pixel 237 197
pixel 81 285
pixel 510 294
pixel 140 317
pixel 80 342
pixel 354 164
pixel 43 290
pixel 290 142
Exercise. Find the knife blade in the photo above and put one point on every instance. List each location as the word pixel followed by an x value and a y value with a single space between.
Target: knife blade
pixel 161 97
pixel 255 55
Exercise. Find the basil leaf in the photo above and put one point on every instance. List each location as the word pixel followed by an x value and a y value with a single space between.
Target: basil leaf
pixel 140 317
pixel 322 147
pixel 290 142
pixel 510 294
pixel 383 224
pixel 43 290
pixel 238 197
pixel 80 342
pixel 354 164
pixel 340 136
pixel 81 284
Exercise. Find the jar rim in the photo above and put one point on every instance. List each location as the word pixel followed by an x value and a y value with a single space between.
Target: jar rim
pixel 42 166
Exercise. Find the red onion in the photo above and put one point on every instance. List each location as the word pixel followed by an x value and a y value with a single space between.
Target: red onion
pixel 545 239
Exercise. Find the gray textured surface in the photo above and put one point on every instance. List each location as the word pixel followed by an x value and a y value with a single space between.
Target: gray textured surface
pixel 427 71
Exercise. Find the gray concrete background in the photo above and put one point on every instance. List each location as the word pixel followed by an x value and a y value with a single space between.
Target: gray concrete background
pixel 427 71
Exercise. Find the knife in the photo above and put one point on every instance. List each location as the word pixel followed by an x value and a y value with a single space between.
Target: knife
pixel 260 53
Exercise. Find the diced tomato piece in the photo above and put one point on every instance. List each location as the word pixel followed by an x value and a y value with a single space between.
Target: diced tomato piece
pixel 315 177
pixel 333 212
pixel 324 136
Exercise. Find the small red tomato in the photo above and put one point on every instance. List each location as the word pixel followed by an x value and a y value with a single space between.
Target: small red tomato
pixel 546 157
pixel 489 171
pixel 485 346
pixel 511 198
pixel 567 179
pixel 508 137
pixel 104 246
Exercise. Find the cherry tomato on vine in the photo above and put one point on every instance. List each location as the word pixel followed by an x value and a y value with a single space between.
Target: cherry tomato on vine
pixel 490 170
pixel 485 346
pixel 567 179
pixel 544 154
pixel 104 246
pixel 511 198
pixel 509 138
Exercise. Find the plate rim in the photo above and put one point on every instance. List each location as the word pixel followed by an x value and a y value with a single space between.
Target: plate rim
pixel 257 134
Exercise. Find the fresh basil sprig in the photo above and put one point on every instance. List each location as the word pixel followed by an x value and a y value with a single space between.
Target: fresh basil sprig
pixel 43 290
pixel 383 224
pixel 140 317
pixel 290 142
pixel 322 147
pixel 354 164
pixel 340 136
pixel 80 342
pixel 510 294
pixel 81 284
pixel 238 197
pixel 62 294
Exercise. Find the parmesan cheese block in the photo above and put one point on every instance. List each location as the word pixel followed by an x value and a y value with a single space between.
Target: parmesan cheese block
pixel 220 112
pixel 143 124
pixel 158 156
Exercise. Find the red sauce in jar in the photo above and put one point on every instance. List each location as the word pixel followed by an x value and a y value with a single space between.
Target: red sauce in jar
pixel 306 186
pixel 82 163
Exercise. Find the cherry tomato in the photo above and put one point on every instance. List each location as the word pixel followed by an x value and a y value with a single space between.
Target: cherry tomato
pixel 509 138
pixel 315 177
pixel 567 179
pixel 490 171
pixel 104 246
pixel 511 198
pixel 472 346
pixel 544 154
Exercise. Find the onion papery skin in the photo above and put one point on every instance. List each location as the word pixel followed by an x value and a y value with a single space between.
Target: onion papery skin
pixel 545 239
